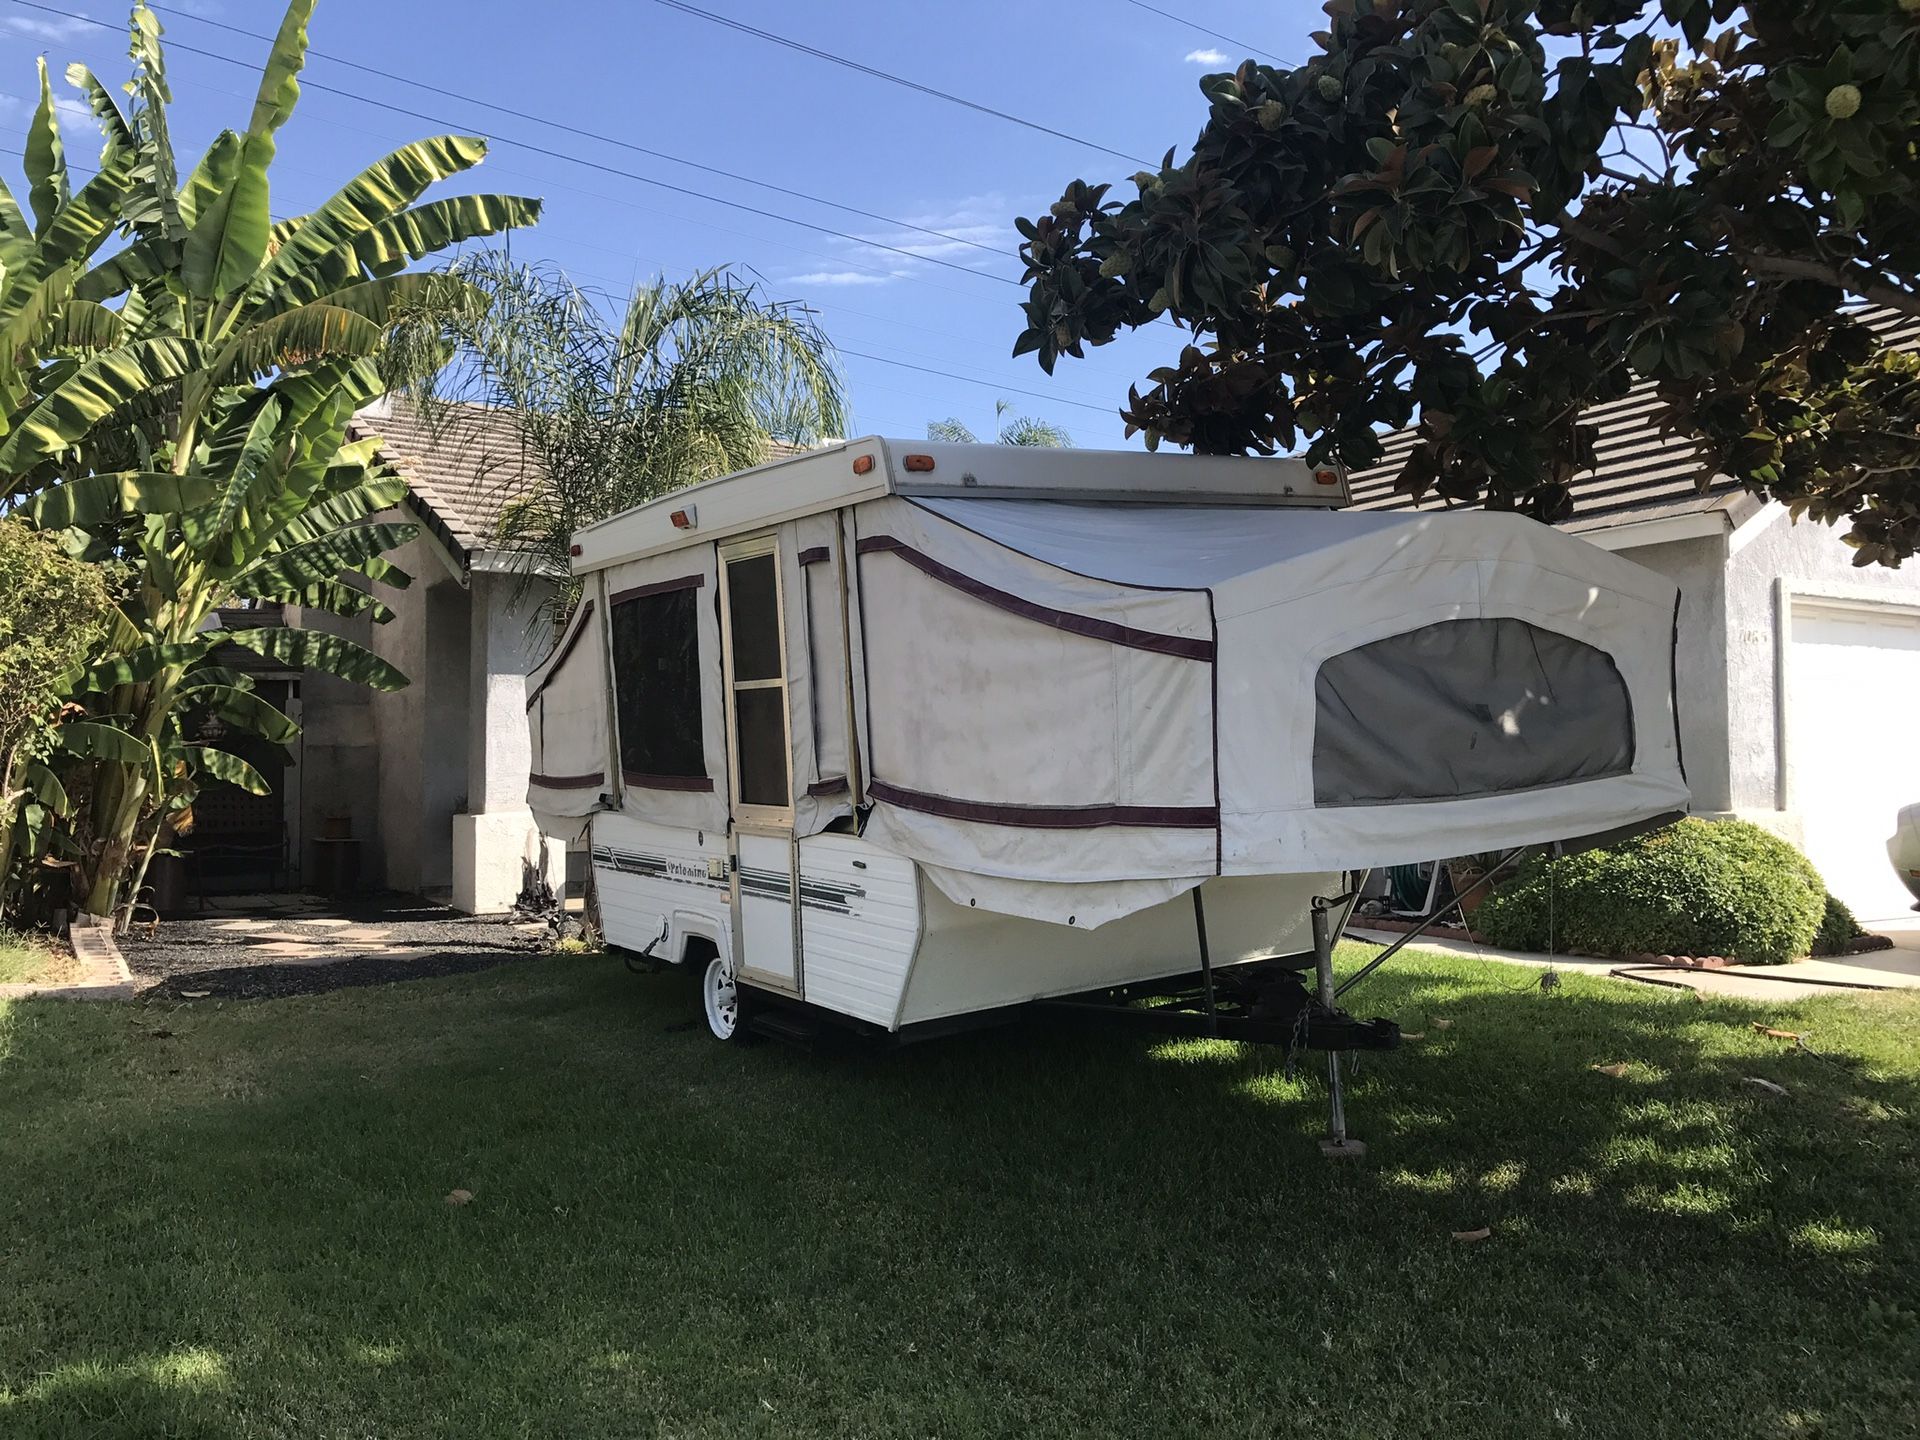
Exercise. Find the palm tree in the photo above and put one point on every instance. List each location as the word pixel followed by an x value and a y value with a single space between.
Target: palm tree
pixel 618 403
pixel 1021 430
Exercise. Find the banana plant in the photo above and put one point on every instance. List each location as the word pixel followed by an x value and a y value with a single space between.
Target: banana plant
pixel 179 409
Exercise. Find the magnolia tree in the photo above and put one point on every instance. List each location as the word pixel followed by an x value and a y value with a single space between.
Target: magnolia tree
pixel 1484 216
pixel 174 409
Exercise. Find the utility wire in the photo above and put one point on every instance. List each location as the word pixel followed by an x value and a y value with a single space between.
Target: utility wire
pixel 587 134
pixel 990 384
pixel 1196 25
pixel 892 79
pixel 553 154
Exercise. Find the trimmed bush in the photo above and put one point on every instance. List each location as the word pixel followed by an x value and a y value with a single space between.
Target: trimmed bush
pixel 1695 887
pixel 1838 929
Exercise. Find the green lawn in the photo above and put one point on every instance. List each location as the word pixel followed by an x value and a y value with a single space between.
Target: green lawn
pixel 27 959
pixel 231 1221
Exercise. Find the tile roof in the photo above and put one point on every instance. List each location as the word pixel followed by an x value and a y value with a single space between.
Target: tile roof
pixel 1641 474
pixel 463 470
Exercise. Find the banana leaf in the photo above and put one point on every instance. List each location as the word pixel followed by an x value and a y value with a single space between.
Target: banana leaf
pixel 316 650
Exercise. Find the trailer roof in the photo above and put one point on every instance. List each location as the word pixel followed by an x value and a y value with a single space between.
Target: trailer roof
pixel 866 469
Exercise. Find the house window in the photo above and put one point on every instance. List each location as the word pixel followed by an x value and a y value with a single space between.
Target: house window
pixel 1467 707
pixel 656 668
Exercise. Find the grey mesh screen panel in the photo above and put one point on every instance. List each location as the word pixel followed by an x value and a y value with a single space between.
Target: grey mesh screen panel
pixel 1466 707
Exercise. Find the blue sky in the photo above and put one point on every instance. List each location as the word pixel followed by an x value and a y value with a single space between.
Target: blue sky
pixel 1110 71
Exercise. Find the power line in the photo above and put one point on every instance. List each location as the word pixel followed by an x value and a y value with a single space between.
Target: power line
pixel 1196 25
pixel 990 384
pixel 561 155
pixel 892 79
pixel 587 134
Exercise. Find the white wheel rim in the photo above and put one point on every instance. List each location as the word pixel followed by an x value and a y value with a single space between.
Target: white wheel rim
pixel 723 1003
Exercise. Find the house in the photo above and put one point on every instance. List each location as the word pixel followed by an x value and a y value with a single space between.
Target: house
pixel 421 790
pixel 1798 675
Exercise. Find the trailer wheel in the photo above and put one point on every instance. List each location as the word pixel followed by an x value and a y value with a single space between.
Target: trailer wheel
pixel 720 998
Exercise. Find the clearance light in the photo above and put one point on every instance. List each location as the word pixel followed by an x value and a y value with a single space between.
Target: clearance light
pixel 862 464
pixel 918 462
pixel 575 550
pixel 684 519
pixel 1326 477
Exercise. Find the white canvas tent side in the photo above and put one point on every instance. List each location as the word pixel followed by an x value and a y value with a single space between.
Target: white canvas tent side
pixel 1068 693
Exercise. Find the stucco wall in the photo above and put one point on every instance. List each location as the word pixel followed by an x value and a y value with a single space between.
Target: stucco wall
pixel 1806 555
pixel 1701 661
pixel 419 730
pixel 508 639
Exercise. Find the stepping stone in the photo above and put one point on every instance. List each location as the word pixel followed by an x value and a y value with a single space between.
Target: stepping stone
pixel 237 924
pixel 331 922
pixel 294 951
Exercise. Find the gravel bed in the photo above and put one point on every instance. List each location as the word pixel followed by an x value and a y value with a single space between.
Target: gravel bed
pixel 284 945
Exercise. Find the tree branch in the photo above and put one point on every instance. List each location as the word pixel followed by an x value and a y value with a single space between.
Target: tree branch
pixel 1853 278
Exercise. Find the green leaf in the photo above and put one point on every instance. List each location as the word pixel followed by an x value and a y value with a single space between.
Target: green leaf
pixel 246 709
pixel 241 457
pixel 90 394
pixel 105 108
pixel 331 596
pixel 97 740
pixel 298 337
pixel 138 666
pixel 86 325
pixel 16 235
pixel 377 194
pixel 152 208
pixel 229 239
pixel 427 229
pixel 93 498
pixel 315 650
pixel 225 765
pixel 326 559
pixel 211 178
pixel 46 788
pixel 46 158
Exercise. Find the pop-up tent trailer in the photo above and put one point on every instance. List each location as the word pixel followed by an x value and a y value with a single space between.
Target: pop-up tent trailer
pixel 907 734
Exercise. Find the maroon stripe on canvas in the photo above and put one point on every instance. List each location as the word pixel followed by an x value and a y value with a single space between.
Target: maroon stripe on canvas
pixel 566 649
pixel 1049 817
pixel 815 554
pixel 1184 647
pixel 642 781
pixel 837 785
pixel 658 587
pixel 569 782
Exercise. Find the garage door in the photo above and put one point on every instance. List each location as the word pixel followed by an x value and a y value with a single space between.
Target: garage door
pixel 1853 685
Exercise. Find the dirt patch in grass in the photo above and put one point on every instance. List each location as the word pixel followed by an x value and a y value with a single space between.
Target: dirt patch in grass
pixel 28 959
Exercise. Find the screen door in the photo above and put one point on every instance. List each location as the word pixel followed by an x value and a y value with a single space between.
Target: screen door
pixel 758 758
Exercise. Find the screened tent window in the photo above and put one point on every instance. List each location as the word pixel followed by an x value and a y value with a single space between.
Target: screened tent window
pixel 1467 707
pixel 758 680
pixel 656 670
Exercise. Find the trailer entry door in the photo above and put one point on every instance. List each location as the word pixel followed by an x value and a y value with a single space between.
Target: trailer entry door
pixel 752 616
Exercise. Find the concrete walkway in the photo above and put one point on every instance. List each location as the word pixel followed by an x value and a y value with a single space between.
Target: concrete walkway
pixel 1895 969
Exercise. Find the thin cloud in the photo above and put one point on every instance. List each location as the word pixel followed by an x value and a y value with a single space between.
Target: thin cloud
pixel 845 277
pixel 1206 57
pixel 55 30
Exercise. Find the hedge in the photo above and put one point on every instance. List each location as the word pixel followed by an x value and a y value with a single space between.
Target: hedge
pixel 1695 887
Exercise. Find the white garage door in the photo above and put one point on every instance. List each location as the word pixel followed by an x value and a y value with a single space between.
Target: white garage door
pixel 1853 740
